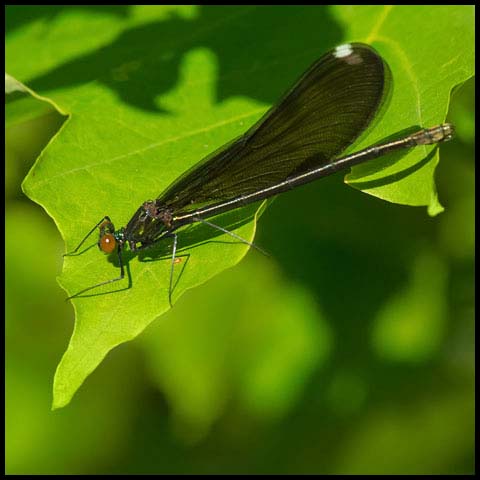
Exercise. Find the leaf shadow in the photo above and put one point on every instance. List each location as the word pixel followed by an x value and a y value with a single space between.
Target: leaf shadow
pixel 394 177
pixel 383 162
pixel 20 15
pixel 143 62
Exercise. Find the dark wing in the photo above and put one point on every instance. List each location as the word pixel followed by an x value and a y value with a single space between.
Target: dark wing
pixel 327 109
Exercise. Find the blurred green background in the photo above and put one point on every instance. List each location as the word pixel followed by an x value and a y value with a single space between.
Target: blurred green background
pixel 350 350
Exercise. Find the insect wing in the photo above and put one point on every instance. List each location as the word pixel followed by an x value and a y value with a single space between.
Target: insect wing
pixel 326 110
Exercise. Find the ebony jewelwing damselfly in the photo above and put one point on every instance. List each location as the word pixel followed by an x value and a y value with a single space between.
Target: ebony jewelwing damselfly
pixel 299 140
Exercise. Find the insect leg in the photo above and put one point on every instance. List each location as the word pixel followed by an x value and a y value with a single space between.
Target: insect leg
pixel 234 235
pixel 106 282
pixel 174 251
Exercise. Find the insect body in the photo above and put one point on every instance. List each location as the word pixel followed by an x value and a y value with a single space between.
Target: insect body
pixel 299 140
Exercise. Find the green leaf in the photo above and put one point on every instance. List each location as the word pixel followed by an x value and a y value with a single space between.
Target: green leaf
pixel 152 90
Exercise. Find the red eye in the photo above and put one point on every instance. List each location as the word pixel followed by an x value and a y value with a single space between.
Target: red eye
pixel 107 243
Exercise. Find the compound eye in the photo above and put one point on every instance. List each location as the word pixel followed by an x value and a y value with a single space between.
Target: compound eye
pixel 107 243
